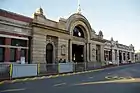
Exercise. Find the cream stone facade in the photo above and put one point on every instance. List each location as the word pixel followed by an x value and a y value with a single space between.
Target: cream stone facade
pixel 118 53
pixel 64 42
pixel 61 36
pixel 70 39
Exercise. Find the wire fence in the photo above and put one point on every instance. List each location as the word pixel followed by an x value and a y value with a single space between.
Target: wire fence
pixel 47 69
pixel 5 71
pixel 10 71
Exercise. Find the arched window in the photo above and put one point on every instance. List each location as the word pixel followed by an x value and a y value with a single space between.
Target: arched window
pixel 78 32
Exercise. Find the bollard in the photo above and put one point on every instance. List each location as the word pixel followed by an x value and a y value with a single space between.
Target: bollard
pixel 11 71
pixel 38 68
pixel 58 68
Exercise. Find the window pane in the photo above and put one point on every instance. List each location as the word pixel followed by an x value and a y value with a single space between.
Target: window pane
pixel 1 54
pixel 18 42
pixel 2 40
pixel 23 53
pixel 13 55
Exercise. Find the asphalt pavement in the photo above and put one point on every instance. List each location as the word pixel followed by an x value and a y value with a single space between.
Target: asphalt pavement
pixel 122 79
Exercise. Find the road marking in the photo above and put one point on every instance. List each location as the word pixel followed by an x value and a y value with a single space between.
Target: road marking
pixel 57 75
pixel 103 82
pixel 13 81
pixel 90 77
pixel 53 76
pixel 43 77
pixel 35 78
pixel 63 74
pixel 25 79
pixel 49 76
pixel 16 80
pixel 60 84
pixel 68 74
pixel 117 77
pixel 12 90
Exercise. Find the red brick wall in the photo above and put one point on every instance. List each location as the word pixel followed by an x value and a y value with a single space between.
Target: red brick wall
pixel 7 50
pixel 17 54
pixel 18 51
pixel 15 16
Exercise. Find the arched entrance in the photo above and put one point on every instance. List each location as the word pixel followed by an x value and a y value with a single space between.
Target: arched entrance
pixel 78 49
pixel 49 53
pixel 79 42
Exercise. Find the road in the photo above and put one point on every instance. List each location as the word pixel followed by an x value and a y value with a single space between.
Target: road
pixel 123 79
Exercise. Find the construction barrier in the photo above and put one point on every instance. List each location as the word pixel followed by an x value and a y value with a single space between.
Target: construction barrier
pixel 10 71
pixel 5 71
pixel 24 70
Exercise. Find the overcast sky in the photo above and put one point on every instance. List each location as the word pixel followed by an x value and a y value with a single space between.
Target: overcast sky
pixel 119 19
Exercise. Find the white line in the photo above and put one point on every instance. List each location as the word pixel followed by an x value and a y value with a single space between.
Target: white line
pixel 103 82
pixel 12 90
pixel 90 77
pixel 59 84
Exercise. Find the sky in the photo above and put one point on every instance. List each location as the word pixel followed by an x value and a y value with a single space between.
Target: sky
pixel 119 19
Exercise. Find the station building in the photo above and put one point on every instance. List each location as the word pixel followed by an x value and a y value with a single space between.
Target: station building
pixel 42 40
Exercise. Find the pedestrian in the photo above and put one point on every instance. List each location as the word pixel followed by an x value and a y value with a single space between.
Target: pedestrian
pixel 60 61
pixel 64 61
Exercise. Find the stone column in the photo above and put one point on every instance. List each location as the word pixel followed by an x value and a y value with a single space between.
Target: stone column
pixel 87 52
pixel 93 52
pixel 133 56
pixel 113 55
pixel 102 53
pixel 126 59
pixel 70 51
pixel 90 51
pixel 118 57
pixel 108 55
pixel 130 56
pixel 122 56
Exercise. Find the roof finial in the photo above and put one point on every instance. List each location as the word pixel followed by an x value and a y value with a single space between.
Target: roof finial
pixel 79 7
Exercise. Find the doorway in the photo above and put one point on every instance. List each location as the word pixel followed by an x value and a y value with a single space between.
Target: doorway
pixel 77 53
pixel 49 53
pixel 120 56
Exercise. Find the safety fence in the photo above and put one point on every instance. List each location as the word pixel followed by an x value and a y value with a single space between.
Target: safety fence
pixel 10 71
pixel 5 71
